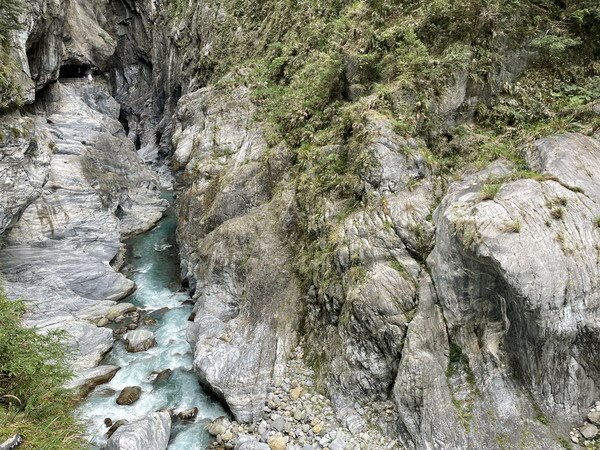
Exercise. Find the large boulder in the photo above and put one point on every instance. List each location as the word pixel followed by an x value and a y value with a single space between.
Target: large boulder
pixel 151 432
pixel 139 340
pixel 129 395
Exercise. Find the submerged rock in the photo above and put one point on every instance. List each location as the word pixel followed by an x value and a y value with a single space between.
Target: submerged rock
pixel 148 433
pixel 188 414
pixel 114 426
pixel 129 395
pixel 158 377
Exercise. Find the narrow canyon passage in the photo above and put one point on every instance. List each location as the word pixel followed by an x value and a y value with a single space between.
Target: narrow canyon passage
pixel 154 267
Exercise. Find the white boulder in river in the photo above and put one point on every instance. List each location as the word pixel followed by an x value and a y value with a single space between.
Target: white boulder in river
pixel 148 433
pixel 140 340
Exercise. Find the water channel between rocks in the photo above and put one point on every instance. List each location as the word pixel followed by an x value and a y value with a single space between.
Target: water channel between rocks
pixel 154 268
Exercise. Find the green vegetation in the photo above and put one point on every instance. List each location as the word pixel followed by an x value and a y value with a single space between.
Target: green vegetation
pixel 32 371
pixel 539 415
pixel 489 191
pixel 457 362
pixel 320 71
pixel 460 380
pixel 565 442
pixel 512 226
pixel 556 207
pixel 10 93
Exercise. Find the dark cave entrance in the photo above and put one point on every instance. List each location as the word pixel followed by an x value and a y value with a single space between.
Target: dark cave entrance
pixel 74 70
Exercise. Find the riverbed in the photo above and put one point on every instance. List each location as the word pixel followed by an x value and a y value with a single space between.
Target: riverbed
pixel 154 267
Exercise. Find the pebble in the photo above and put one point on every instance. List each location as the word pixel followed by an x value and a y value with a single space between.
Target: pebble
pixel 278 422
pixel 297 417
pixel 337 444
pixel 296 393
pixel 227 436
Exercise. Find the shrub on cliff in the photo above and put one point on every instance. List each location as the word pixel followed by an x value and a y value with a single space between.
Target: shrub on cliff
pixel 10 94
pixel 32 371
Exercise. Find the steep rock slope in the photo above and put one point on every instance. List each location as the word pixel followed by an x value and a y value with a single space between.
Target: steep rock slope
pixel 379 114
pixel 73 185
pixel 232 231
pixel 516 278
pixel 57 255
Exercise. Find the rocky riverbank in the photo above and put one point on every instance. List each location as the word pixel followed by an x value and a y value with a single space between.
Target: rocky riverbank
pixel 297 416
pixel 94 191
pixel 588 434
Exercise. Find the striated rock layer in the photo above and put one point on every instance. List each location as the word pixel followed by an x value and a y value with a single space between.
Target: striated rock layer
pixel 58 254
pixel 72 183
pixel 232 237
pixel 148 433
pixel 496 330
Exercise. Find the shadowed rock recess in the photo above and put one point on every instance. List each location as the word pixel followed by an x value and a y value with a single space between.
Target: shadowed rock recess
pixel 388 213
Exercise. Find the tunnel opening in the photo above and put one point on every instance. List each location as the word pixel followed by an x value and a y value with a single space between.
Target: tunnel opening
pixel 124 121
pixel 74 70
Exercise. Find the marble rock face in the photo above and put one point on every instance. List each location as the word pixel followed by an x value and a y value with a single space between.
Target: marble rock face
pixel 87 189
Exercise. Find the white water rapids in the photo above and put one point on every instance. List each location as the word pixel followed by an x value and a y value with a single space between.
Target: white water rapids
pixel 155 271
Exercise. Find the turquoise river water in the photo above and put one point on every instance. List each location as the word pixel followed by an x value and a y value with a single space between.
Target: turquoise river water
pixel 155 271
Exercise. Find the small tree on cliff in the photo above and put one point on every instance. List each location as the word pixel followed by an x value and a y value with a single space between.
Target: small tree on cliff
pixel 9 19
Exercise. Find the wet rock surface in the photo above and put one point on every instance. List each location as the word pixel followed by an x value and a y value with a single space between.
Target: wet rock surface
pixel 88 379
pixel 149 433
pixel 139 340
pixel 129 395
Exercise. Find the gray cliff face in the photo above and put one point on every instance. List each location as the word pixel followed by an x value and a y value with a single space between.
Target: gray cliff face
pixel 24 168
pixel 516 279
pixel 73 184
pixel 247 306
pixel 97 190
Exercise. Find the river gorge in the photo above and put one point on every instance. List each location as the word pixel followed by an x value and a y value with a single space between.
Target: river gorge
pixel 324 224
pixel 154 268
